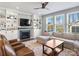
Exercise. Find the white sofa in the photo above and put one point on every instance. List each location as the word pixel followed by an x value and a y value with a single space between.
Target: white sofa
pixel 71 40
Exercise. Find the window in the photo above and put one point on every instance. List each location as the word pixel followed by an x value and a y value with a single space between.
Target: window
pixel 75 29
pixel 60 23
pixel 55 23
pixel 50 24
pixel 73 19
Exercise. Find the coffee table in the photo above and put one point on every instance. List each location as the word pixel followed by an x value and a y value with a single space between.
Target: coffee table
pixel 53 47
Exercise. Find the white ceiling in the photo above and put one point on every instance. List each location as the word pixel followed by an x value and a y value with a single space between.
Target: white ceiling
pixel 29 6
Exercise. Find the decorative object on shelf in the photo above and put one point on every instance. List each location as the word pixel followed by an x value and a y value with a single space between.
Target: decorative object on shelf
pixel 2 24
pixel 11 17
pixel 12 21
pixel 36 23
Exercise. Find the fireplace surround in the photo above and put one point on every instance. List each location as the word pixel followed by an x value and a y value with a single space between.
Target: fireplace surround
pixel 24 34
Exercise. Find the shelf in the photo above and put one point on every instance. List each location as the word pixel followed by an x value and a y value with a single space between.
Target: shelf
pixel 49 51
pixel 24 27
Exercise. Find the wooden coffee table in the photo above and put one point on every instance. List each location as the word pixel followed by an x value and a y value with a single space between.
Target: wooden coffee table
pixel 54 47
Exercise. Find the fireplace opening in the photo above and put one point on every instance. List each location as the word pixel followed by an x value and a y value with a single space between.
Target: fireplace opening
pixel 24 34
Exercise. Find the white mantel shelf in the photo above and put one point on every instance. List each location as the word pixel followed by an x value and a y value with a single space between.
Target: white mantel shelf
pixel 24 27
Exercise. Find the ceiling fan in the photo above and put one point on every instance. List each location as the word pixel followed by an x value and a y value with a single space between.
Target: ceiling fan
pixel 43 5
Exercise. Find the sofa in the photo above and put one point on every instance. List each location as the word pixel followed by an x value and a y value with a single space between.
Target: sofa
pixel 42 39
pixel 71 40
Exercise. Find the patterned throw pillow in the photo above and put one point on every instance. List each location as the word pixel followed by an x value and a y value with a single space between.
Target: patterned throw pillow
pixel 45 33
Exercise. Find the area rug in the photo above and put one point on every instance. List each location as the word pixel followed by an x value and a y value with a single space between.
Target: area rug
pixel 38 51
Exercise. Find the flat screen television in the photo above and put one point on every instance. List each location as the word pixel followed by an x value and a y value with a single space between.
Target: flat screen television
pixel 24 22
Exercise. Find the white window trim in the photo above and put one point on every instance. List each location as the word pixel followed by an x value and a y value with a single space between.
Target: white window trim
pixel 59 15
pixel 63 20
pixel 68 18
pixel 54 20
pixel 47 22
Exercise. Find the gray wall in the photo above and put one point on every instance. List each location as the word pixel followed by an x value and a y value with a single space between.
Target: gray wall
pixel 57 13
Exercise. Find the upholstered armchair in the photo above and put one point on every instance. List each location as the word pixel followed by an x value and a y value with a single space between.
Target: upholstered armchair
pixel 7 50
pixel 1 47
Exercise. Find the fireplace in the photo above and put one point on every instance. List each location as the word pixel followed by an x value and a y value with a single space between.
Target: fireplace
pixel 24 35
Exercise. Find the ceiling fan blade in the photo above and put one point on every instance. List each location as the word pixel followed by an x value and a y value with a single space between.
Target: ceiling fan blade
pixel 45 3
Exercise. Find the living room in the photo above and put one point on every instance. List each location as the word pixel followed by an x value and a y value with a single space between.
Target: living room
pixel 42 29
